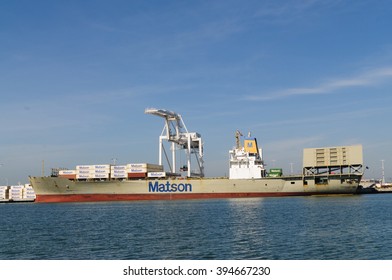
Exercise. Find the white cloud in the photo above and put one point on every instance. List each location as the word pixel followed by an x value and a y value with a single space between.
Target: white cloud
pixel 326 118
pixel 369 78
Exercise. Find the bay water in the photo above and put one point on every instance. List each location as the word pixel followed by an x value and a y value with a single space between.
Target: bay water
pixel 352 227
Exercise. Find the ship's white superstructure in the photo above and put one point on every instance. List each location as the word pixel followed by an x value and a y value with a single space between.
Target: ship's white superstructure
pixel 246 162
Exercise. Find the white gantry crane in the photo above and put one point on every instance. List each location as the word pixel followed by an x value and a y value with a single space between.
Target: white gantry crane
pixel 175 131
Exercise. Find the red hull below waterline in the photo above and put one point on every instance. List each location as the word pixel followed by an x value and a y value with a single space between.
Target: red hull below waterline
pixel 132 197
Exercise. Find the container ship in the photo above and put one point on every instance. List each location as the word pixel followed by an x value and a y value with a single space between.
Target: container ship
pixel 328 170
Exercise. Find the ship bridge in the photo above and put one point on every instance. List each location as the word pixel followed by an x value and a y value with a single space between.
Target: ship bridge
pixel 175 131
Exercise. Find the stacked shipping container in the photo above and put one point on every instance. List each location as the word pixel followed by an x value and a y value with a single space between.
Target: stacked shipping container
pixel 118 171
pixel 3 192
pixel 28 192
pixel 106 171
pixel 70 174
pixel 140 170
pixel 17 193
pixel 98 171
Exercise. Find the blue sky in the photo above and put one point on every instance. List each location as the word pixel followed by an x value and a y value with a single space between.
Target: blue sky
pixel 76 76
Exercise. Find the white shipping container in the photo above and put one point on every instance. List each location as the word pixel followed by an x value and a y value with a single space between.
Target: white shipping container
pixel 137 170
pixel 28 191
pixel 29 195
pixel 114 174
pixel 16 187
pixel 67 172
pixel 15 195
pixel 92 176
pixel 118 167
pixel 142 170
pixel 137 165
pixel 119 175
pixel 102 166
pixel 92 167
pixel 84 172
pixel 156 174
pixel 101 171
pixel 145 165
pixel 101 176
pixel 83 176
pixel 92 172
pixel 118 171
pixel 84 167
pixel 16 190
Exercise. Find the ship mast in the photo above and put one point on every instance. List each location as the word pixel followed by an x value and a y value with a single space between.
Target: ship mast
pixel 238 134
pixel 175 131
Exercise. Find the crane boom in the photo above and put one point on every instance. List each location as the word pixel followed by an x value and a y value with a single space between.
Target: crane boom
pixel 175 131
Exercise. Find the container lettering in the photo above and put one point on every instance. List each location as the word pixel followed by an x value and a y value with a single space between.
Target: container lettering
pixel 168 187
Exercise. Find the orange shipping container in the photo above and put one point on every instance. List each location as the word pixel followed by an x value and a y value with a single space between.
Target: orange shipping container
pixel 137 175
pixel 68 176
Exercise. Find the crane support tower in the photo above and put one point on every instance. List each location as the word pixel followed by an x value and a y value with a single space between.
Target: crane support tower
pixel 175 131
